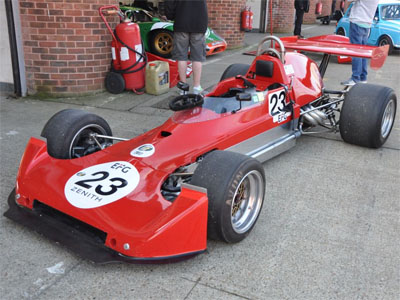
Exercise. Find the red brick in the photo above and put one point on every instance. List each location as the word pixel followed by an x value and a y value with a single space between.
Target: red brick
pixel 40 50
pixel 59 76
pixel 56 12
pixel 75 13
pixel 26 4
pixel 76 76
pixel 45 19
pixel 48 57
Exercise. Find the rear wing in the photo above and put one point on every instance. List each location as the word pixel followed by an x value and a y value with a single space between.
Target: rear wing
pixel 333 44
pixel 337 45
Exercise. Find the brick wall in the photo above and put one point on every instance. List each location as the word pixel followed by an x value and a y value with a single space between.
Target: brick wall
pixel 66 45
pixel 282 16
pixel 224 18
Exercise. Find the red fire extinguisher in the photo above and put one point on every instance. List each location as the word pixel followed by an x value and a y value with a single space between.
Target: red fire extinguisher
pixel 128 55
pixel 318 8
pixel 247 19
pixel 342 6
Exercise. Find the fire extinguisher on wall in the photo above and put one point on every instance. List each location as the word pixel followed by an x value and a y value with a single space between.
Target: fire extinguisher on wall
pixel 318 8
pixel 342 6
pixel 247 19
pixel 128 55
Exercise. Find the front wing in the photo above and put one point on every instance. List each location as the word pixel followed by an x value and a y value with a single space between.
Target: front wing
pixel 85 240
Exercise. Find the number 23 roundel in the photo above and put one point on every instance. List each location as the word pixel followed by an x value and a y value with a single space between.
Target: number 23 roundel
pixel 101 184
pixel 277 101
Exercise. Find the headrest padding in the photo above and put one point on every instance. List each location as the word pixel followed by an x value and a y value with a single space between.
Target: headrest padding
pixel 264 68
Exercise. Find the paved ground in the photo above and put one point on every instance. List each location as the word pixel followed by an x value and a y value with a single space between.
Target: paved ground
pixel 329 228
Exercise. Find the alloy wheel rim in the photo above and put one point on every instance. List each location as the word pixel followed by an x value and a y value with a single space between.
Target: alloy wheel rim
pixel 164 43
pixel 247 202
pixel 388 118
pixel 82 137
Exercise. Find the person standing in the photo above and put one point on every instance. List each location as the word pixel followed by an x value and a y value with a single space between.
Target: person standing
pixel 301 7
pixel 333 8
pixel 190 25
pixel 361 17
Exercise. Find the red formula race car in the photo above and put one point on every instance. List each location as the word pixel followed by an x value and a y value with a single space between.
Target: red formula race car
pixel 158 196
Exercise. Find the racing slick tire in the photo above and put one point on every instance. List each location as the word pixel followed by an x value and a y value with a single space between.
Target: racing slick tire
pixel 235 186
pixel 233 70
pixel 367 115
pixel 68 134
pixel 385 40
pixel 160 43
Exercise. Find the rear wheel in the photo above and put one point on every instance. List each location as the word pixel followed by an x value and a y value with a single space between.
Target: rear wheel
pixel 385 40
pixel 69 134
pixel 235 186
pixel 367 115
pixel 235 69
pixel 161 43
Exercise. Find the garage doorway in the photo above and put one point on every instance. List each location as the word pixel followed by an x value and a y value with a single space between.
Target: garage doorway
pixel 13 66
pixel 260 17
pixel 6 74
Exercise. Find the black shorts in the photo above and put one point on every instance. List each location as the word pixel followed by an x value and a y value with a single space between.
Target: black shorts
pixel 185 42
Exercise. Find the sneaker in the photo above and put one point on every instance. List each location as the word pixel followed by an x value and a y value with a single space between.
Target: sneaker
pixel 349 82
pixel 363 81
pixel 198 90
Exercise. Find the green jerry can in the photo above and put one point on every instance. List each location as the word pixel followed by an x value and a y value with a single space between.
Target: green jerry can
pixel 157 77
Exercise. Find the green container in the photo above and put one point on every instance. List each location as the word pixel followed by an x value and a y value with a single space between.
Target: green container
pixel 157 77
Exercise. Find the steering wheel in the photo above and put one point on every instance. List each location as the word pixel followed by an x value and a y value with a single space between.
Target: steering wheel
pixel 272 51
pixel 186 101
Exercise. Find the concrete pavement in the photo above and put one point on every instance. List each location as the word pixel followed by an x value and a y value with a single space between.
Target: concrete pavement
pixel 329 228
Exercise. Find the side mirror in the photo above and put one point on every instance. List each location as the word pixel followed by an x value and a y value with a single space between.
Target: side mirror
pixel 243 97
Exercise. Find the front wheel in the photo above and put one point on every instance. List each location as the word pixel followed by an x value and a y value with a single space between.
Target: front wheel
pixel 368 115
pixel 235 186
pixel 69 134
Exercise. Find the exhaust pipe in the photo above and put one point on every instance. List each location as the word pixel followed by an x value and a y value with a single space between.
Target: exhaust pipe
pixel 313 116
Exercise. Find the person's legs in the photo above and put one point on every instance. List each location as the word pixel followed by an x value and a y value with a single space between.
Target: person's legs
pixel 356 62
pixel 298 21
pixel 180 53
pixel 182 66
pixel 197 67
pixel 333 7
pixel 197 56
pixel 364 65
